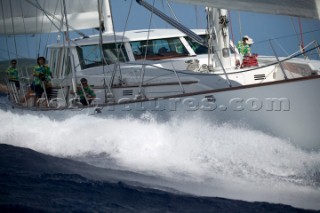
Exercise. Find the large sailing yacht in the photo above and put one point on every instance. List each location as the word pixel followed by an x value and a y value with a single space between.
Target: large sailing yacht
pixel 168 72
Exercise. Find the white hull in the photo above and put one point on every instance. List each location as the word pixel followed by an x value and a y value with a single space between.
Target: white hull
pixel 286 109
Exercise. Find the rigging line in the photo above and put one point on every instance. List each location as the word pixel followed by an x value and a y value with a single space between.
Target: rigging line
pixel 281 47
pixel 211 37
pixel 126 23
pixel 101 51
pixel 52 24
pixel 197 16
pixel 65 53
pixel 232 35
pixel 146 49
pixel 316 43
pixel 42 16
pixel 286 36
pixel 240 25
pixel 172 12
pixel 100 36
pixel 25 30
pixel 164 9
pixel 41 29
pixel 172 22
pixel 55 18
pixel 49 16
pixel 37 55
pixel 42 25
pixel 74 77
pixel 307 46
pixel 162 4
pixel 123 34
pixel 295 31
pixel 14 36
pixel 301 34
pixel 163 16
pixel 61 22
pixel 117 64
pixel 5 30
pixel 121 44
pixel 67 65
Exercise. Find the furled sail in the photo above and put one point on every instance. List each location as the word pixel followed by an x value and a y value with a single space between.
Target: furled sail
pixel 301 8
pixel 42 16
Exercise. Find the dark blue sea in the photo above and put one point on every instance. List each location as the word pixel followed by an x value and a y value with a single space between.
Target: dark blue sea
pixel 92 164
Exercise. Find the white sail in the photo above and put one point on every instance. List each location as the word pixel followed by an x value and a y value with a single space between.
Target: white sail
pixel 42 16
pixel 301 8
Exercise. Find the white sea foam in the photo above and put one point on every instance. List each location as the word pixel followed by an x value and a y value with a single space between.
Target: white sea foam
pixel 220 159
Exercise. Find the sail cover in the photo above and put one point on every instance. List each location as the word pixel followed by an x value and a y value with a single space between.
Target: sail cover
pixel 43 16
pixel 301 8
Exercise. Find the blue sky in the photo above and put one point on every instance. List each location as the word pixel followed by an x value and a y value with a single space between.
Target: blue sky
pixel 260 27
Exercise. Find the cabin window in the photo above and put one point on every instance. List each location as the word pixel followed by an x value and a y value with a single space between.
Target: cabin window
pixel 158 49
pixel 91 55
pixel 198 48
pixel 114 53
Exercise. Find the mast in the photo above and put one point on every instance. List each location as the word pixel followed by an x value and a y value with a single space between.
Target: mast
pixel 107 17
pixel 218 25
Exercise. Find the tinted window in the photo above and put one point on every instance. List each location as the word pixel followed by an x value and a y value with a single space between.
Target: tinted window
pixel 197 48
pixel 91 55
pixel 158 49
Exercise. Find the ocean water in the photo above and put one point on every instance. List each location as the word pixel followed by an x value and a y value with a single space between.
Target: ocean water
pixel 190 155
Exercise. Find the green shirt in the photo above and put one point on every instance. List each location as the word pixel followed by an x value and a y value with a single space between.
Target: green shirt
pixel 88 91
pixel 41 73
pixel 244 49
pixel 12 74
